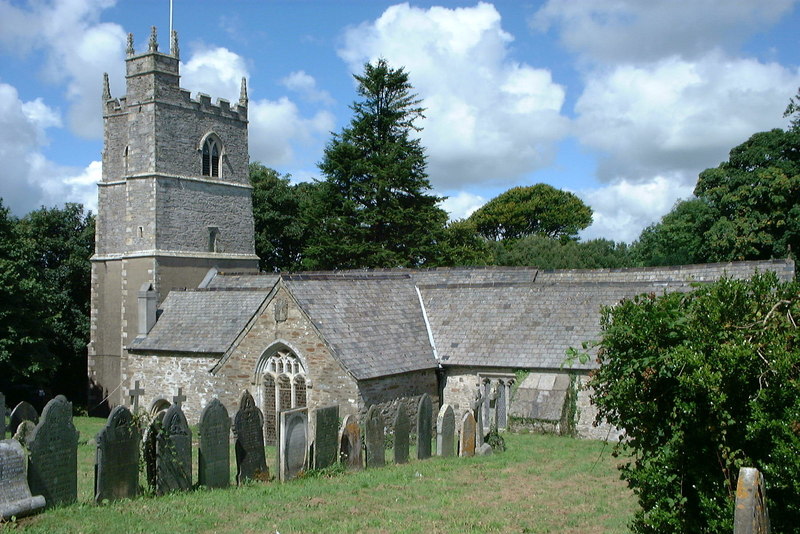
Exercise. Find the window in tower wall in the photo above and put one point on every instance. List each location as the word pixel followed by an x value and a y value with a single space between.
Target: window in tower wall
pixel 211 154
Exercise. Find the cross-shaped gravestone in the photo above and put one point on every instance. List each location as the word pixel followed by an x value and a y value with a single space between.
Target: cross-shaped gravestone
pixel 135 393
pixel 179 398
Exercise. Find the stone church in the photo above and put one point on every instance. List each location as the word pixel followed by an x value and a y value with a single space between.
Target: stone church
pixel 178 302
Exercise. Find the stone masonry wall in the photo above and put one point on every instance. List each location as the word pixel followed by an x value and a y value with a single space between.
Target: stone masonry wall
pixel 586 413
pixel 395 392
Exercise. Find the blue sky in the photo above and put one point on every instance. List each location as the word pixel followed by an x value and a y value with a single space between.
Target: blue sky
pixel 621 102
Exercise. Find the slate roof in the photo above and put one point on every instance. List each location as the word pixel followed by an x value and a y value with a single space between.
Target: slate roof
pixel 373 323
pixel 243 281
pixel 200 321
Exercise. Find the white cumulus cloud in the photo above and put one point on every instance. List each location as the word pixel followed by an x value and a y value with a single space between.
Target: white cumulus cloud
pixel 462 204
pixel 305 84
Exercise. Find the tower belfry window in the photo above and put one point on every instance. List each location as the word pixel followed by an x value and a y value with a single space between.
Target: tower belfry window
pixel 211 155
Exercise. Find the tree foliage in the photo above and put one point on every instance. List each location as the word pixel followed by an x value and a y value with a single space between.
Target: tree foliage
pixel 548 253
pixel 539 210
pixel 374 208
pixel 703 384
pixel 678 239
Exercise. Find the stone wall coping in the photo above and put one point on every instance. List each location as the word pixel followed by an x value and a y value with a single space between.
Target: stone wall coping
pixel 172 254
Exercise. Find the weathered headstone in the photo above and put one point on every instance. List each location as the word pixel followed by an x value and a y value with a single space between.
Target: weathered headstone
pixel 466 436
pixel 374 437
pixel 214 457
pixel 179 398
pixel 251 462
pixel 15 495
pixel 484 450
pixel 445 431
pixel 750 515
pixel 116 465
pixel 24 431
pixel 23 411
pixel 134 394
pixel 424 427
pixel 477 409
pixel 174 452
pixel 2 416
pixel 350 443
pixel 401 431
pixel 293 446
pixel 326 429
pixel 149 449
pixel 53 461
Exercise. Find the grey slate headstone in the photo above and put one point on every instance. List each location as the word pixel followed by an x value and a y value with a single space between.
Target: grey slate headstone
pixel 350 443
pixel 15 495
pixel 750 515
pixel 174 453
pixel 424 427
pixel 401 431
pixel 251 461
pixel 477 408
pixel 374 437
pixel 445 431
pixel 214 457
pixel 24 431
pixel 23 411
pixel 53 460
pixel 116 465
pixel 326 430
pixel 2 416
pixel 466 436
pixel 149 449
pixel 293 445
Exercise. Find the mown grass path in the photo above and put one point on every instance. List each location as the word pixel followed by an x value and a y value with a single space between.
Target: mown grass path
pixel 540 484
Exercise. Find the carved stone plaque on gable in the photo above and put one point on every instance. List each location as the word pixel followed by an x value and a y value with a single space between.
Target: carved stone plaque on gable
pixel 53 462
pixel 251 461
pixel 15 496
pixel 326 430
pixel 374 434
pixel 213 461
pixel 117 458
pixel 424 424
pixel 281 309
pixel 401 431
pixel 174 453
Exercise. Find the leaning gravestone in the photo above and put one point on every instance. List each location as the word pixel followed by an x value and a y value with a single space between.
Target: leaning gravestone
pixel 251 462
pixel 116 466
pixel 466 443
pixel 326 430
pixel 424 430
pixel 445 431
pixel 401 430
pixel 23 411
pixel 2 416
pixel 15 496
pixel 214 457
pixel 173 453
pixel 477 409
pixel 750 515
pixel 149 449
pixel 53 461
pixel 374 434
pixel 350 443
pixel 293 443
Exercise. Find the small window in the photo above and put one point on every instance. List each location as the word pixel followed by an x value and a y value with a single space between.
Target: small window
pixel 211 155
pixel 213 239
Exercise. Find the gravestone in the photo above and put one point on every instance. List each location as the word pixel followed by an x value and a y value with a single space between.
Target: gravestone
pixel 149 448
pixel 248 427
pixel 173 452
pixel 401 431
pixel 466 443
pixel 53 448
pixel 750 515
pixel 2 416
pixel 293 446
pixel 350 443
pixel 214 457
pixel 23 411
pixel 326 429
pixel 116 465
pixel 15 495
pixel 24 431
pixel 374 437
pixel 445 431
pixel 477 409
pixel 424 430
pixel 134 394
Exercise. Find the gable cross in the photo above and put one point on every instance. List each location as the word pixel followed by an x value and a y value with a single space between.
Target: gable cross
pixel 179 398
pixel 135 393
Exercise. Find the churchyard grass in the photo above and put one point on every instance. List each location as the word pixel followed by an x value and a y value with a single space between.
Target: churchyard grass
pixel 540 484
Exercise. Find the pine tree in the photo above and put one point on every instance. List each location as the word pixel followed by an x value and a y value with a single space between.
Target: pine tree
pixel 374 208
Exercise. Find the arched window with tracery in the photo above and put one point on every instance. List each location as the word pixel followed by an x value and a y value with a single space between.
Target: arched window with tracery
pixel 284 387
pixel 212 152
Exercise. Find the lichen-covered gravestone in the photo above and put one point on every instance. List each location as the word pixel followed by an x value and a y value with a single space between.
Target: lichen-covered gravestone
pixel 424 430
pixel 23 411
pixel 248 425
pixel 401 430
pixel 15 496
pixel 445 431
pixel 2 416
pixel 293 444
pixel 326 429
pixel 374 434
pixel 116 466
pixel 214 457
pixel 350 443
pixel 149 449
pixel 173 452
pixel 751 515
pixel 53 447
pixel 466 443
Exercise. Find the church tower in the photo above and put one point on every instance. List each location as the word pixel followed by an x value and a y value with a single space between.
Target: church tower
pixel 174 201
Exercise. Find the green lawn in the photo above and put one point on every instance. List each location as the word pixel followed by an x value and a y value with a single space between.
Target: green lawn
pixel 541 484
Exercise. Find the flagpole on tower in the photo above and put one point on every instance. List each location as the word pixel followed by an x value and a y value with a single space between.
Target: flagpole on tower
pixel 170 18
